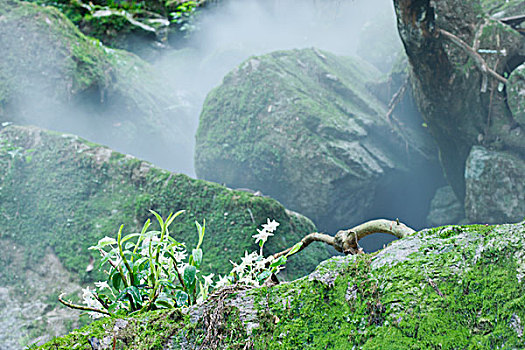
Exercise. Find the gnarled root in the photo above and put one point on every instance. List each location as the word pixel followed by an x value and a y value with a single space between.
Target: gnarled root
pixel 346 241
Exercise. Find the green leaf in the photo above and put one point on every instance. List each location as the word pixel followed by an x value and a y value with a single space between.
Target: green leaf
pixel 132 292
pixel 263 276
pixel 159 218
pixel 172 217
pixel 280 261
pixel 196 255
pixel 167 283
pixel 295 249
pixel 189 276
pixel 182 298
pixel 115 280
pixel 104 242
pixel 200 232
pixel 163 304
pixel 174 243
pixel 130 236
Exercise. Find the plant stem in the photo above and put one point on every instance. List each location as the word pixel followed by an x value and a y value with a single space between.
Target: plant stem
pixel 81 307
pixel 119 243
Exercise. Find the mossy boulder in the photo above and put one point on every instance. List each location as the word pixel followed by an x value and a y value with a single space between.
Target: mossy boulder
pixel 61 194
pixel 303 127
pixel 516 98
pixel 495 186
pixel 449 287
pixel 55 77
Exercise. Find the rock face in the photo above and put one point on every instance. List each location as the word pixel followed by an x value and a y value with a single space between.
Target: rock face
pixel 53 76
pixel 495 186
pixel 448 43
pixel 516 96
pixel 445 208
pixel 452 287
pixel 60 193
pixel 303 127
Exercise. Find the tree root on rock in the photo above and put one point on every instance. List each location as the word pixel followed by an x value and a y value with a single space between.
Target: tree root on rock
pixel 346 241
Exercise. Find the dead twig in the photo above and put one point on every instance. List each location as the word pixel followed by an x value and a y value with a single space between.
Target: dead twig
pixel 81 307
pixel 396 99
pixel 478 60
pixel 434 285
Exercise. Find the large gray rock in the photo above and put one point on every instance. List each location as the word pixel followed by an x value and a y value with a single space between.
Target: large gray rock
pixel 495 183
pixel 445 208
pixel 516 98
pixel 303 127
pixel 462 105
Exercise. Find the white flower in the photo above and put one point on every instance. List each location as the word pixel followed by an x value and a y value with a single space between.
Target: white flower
pixel 179 255
pixel 146 243
pixel 266 232
pixel 249 259
pixel 261 264
pixel 90 301
pixel 248 280
pixel 102 285
pixel 262 235
pixel 223 281
pixel 208 280
pixel 270 226
pixel 238 269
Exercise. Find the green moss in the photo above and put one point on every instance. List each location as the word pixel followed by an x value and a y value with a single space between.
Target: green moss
pixel 459 289
pixel 398 308
pixel 67 199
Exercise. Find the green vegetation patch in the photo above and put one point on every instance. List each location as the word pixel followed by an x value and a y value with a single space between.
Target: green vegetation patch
pixel 458 287
pixel 71 193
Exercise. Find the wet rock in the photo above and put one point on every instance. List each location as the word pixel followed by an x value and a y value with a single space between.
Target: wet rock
pixel 303 127
pixel 495 186
pixel 432 281
pixel 445 208
pixel 62 193
pixel 516 96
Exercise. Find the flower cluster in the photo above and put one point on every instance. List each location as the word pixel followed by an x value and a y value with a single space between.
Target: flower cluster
pixel 254 269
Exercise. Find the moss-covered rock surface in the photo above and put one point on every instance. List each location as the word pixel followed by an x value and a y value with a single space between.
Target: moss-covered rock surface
pixel 303 126
pixel 60 194
pixel 455 287
pixel 55 77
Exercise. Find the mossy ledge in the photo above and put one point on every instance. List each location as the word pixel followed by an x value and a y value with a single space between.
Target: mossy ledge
pixel 455 287
pixel 60 191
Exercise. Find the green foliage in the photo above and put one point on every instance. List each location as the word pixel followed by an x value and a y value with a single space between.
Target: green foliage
pixel 183 13
pixel 146 271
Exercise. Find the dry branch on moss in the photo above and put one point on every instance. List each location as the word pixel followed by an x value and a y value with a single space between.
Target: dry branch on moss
pixel 346 241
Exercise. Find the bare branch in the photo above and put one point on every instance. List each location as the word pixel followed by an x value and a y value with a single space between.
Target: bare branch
pixel 396 99
pixel 480 62
pixel 81 307
pixel 346 241
pixel 312 237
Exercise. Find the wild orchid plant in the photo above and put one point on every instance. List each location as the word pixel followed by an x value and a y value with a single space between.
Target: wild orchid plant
pixel 254 268
pixel 147 270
